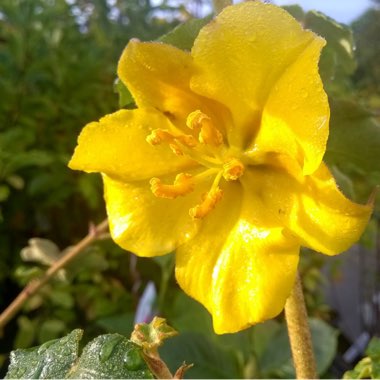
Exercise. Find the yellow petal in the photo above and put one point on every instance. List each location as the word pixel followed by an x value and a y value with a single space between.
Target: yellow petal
pixel 314 209
pixel 295 119
pixel 239 265
pixel 241 55
pixel 158 75
pixel 147 225
pixel 117 146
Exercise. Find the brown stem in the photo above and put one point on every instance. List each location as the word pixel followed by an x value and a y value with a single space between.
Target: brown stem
pixel 94 234
pixel 299 334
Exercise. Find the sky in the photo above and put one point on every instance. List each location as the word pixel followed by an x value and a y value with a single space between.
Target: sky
pixel 343 11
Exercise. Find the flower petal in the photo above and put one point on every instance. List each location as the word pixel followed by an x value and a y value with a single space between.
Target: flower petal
pixel 295 118
pixel 116 146
pixel 239 265
pixel 314 209
pixel 147 225
pixel 241 55
pixel 158 75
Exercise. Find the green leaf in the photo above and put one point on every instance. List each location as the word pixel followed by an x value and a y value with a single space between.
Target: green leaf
pixel 183 35
pixel 50 329
pixel 107 356
pixel 373 349
pixel 51 360
pixel 4 192
pixel 26 332
pixel 337 61
pixel 276 361
pixel 185 314
pixel 362 370
pixel 121 323
pixel 210 360
pixel 354 140
pixel 368 367
pixel 125 97
pixel 110 356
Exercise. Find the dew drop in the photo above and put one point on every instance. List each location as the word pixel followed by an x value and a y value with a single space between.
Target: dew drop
pixel 132 360
pixel 108 347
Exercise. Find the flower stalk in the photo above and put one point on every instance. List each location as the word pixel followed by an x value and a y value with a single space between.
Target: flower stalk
pixel 299 334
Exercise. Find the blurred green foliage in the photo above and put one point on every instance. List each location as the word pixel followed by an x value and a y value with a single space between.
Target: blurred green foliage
pixel 57 69
pixel 57 72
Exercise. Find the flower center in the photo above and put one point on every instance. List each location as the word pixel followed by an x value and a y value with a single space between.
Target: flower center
pixel 208 150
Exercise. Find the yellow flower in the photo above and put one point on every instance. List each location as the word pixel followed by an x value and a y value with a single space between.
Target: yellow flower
pixel 222 161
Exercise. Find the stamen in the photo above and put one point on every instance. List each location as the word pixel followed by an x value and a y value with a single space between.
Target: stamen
pixel 232 169
pixel 208 134
pixel 176 149
pixel 183 184
pixel 157 136
pixel 209 202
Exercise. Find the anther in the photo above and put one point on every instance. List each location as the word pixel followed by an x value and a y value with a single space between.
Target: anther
pixel 176 149
pixel 232 169
pixel 211 198
pixel 183 184
pixel 208 133
pixel 157 136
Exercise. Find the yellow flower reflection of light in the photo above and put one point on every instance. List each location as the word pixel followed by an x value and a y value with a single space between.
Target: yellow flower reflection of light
pixel 222 161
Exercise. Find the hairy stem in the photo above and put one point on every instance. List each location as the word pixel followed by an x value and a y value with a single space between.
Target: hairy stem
pixel 299 334
pixel 32 288
pixel 220 4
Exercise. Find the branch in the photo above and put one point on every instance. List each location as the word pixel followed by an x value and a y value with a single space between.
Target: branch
pixel 299 334
pixel 34 286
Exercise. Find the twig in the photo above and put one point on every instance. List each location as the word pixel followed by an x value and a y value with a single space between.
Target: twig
pixel 95 233
pixel 299 334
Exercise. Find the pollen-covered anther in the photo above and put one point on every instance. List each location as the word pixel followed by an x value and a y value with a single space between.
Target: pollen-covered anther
pixel 208 133
pixel 157 136
pixel 232 169
pixel 210 199
pixel 176 149
pixel 183 184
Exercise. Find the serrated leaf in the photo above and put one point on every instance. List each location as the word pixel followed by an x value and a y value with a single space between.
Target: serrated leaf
pixel 110 356
pixel 51 360
pixel 354 140
pixel 183 35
